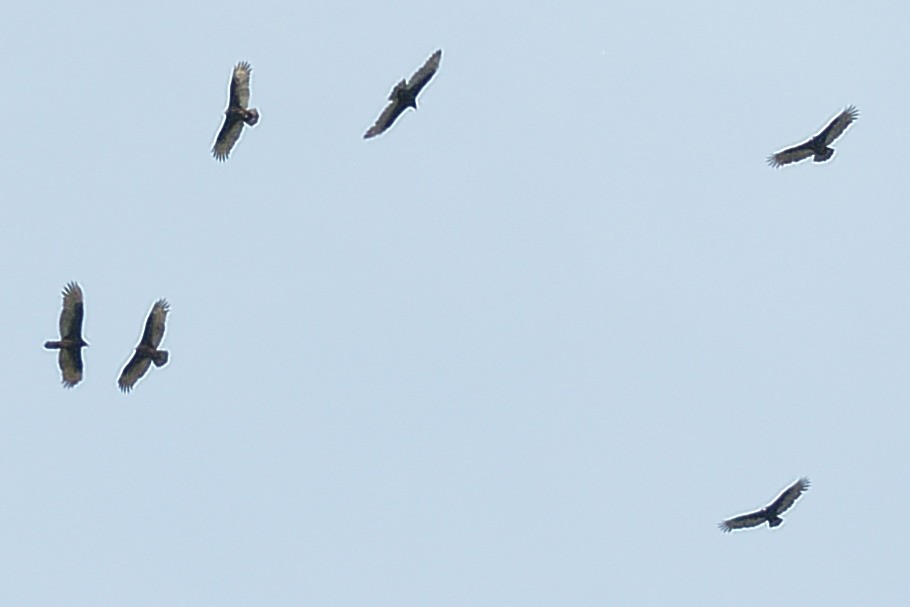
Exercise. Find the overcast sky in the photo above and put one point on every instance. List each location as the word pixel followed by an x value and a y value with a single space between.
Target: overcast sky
pixel 526 348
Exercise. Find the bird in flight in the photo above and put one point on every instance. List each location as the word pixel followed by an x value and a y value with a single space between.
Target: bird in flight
pixel 237 113
pixel 147 351
pixel 817 147
pixel 404 95
pixel 71 343
pixel 769 514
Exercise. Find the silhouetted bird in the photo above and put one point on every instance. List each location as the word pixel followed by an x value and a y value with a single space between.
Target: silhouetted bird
pixel 818 145
pixel 71 343
pixel 147 351
pixel 236 113
pixel 769 514
pixel 404 95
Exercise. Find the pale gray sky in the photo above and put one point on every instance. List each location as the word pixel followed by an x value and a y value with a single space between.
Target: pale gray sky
pixel 526 348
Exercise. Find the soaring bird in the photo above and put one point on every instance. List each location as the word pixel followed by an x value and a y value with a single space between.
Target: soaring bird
pixel 237 112
pixel 769 514
pixel 71 343
pixel 147 351
pixel 818 145
pixel 404 95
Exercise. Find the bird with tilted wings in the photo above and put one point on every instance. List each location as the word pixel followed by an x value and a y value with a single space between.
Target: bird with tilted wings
pixel 769 514
pixel 818 146
pixel 404 95
pixel 237 113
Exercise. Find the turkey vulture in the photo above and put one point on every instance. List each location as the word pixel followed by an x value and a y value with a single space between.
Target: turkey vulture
pixel 147 351
pixel 818 145
pixel 236 113
pixel 404 95
pixel 71 343
pixel 769 514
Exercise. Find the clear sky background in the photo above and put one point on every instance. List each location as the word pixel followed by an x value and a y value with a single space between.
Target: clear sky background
pixel 526 348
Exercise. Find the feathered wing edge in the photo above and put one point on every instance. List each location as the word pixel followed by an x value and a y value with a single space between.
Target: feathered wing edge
pixel 72 312
pixel 227 137
pixel 154 324
pixel 840 123
pixel 70 362
pixel 240 85
pixel 137 366
pixel 420 78
pixel 388 116
pixel 788 496
pixel 794 154
pixel 753 519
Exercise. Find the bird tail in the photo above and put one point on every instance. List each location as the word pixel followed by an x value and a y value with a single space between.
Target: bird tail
pixel 252 116
pixel 774 522
pixel 53 345
pixel 159 358
pixel 824 156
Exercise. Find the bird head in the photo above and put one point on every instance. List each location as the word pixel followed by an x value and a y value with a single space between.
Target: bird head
pixel 397 90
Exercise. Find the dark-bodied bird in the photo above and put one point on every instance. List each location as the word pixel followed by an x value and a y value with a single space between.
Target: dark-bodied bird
pixel 769 514
pixel 147 351
pixel 404 95
pixel 817 147
pixel 237 113
pixel 71 343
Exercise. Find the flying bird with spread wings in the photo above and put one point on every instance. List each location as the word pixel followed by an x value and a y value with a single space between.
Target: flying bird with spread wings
pixel 817 147
pixel 147 351
pixel 69 357
pixel 237 113
pixel 769 514
pixel 404 95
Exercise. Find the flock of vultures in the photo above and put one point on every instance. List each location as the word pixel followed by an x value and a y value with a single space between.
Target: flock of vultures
pixel 70 344
pixel 403 96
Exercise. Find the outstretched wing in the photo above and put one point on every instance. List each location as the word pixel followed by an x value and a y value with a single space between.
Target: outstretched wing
pixel 70 362
pixel 73 310
pixel 413 87
pixel 840 123
pixel 804 150
pixel 426 71
pixel 794 154
pixel 227 136
pixel 134 369
pixel 783 501
pixel 386 118
pixel 753 519
pixel 240 85
pixel 154 324
pixel 233 121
